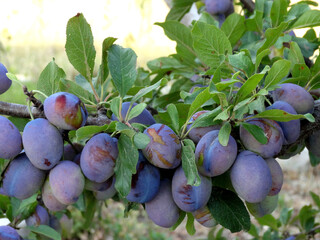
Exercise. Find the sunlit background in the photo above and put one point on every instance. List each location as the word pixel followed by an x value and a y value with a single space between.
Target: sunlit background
pixel 32 32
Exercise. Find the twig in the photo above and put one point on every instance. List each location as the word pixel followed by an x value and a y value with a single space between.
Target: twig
pixel 248 4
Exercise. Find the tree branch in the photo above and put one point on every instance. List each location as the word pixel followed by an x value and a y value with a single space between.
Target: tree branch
pixel 248 4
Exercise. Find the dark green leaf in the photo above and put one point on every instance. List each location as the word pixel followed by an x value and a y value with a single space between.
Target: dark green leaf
pixel 122 65
pixel 125 164
pixel 310 18
pixel 224 134
pixel 256 132
pixel 279 70
pixel 174 116
pixel 200 99
pixel 91 206
pixel 179 9
pixel 79 46
pixel 234 27
pixel 295 54
pixel 260 56
pixel 146 90
pixel 285 216
pixel 280 115
pixel 314 160
pixel 45 231
pixel 307 217
pixel 182 215
pixel 242 62
pixel 72 87
pixel 228 210
pixel 48 82
pixel 87 132
pixel 189 164
pixel 115 107
pixel 316 199
pixel 248 87
pixel 268 220
pixel 278 12
pixel 141 140
pixel 136 110
pixel 104 70
pixel 190 224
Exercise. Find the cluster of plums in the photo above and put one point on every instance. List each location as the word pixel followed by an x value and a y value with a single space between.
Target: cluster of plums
pixel 220 9
pixel 41 161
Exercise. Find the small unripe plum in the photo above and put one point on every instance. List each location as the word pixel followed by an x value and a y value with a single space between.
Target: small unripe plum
pixel 313 143
pixel 164 148
pixel 190 198
pixel 67 182
pixel 5 82
pixel 204 217
pixel 251 177
pixel 66 224
pixel 144 118
pixel 212 158
pixel 98 157
pixel 42 143
pixel 109 191
pixel 277 176
pixel 216 7
pixel 299 98
pixel 10 138
pixel 65 111
pixel 145 183
pixel 39 217
pixel 272 131
pixel 49 200
pixel 266 206
pixel 197 133
pixel 21 179
pixel 162 209
pixel 291 129
pixel 8 233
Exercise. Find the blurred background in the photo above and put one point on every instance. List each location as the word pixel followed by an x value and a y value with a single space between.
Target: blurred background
pixel 32 32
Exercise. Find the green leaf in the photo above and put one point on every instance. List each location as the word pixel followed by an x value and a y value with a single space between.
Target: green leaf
pixel 285 215
pixel 79 46
pixel 307 217
pixel 45 231
pixel 136 110
pixel 87 132
pixel 310 18
pixel 72 87
pixel 279 70
pixel 208 18
pixel 209 43
pixel 254 23
pixel 91 206
pixel 48 82
pixel 179 9
pixel 125 164
pixel 234 27
pixel 190 224
pixel 174 116
pixel 206 119
pixel 164 64
pixel 189 163
pixel 242 62
pixel 247 88
pixel 295 54
pixel 115 107
pixel 228 210
pixel 148 89
pixel 316 199
pixel 182 215
pixel 141 140
pixel 260 56
pixel 314 160
pixel 256 132
pixel 179 33
pixel 122 65
pixel 200 99
pixel 20 123
pixel 280 115
pixel 224 134
pixel 272 35
pixel 104 70
pixel 278 12
pixel 268 220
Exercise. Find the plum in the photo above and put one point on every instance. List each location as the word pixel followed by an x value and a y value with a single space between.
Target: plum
pixel 94 186
pixel 204 217
pixel 299 98
pixel 272 131
pixel 164 148
pixel 54 223
pixel 10 138
pixel 8 233
pixel 276 175
pixel 39 217
pixel 251 177
pixel 5 82
pixel 65 111
pixel 144 118
pixel 162 209
pixel 145 183
pixel 98 157
pixel 216 7
pixel 109 191
pixel 67 182
pixel 190 198
pixel 291 129
pixel 70 152
pixel 197 133
pixel 42 143
pixel 22 179
pixel 212 158
pixel 66 224
pixel 49 200
pixel 313 143
pixel 266 206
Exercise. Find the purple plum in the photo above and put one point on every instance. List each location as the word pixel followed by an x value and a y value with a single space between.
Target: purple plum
pixel 39 217
pixel 215 7
pixel 5 82
pixel 276 175
pixel 266 206
pixel 49 200
pixel 65 111
pixel 10 138
pixel 164 148
pixel 204 217
pixel 109 191
pixel 8 233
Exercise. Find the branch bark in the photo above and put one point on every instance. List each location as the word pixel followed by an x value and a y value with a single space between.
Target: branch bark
pixel 248 4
